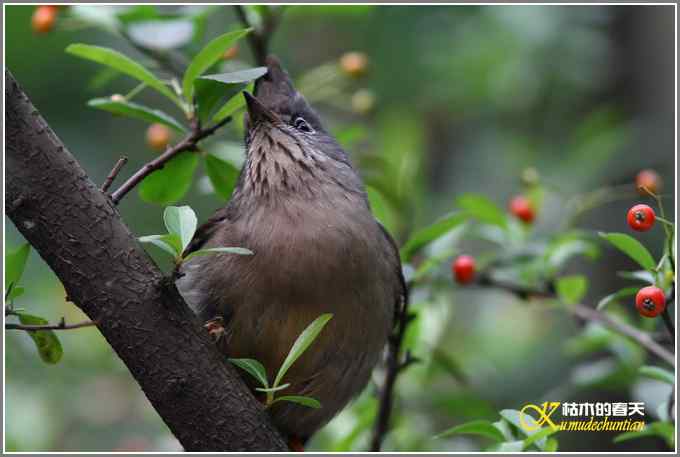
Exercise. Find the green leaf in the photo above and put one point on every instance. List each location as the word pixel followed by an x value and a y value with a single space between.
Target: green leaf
pixel 223 175
pixel 551 445
pixel 657 373
pixel 301 400
pixel 273 389
pixel 122 63
pixel 207 57
pixel 483 209
pixel 631 247
pixel 567 246
pixel 46 341
pixel 137 111
pixel 640 275
pixel 664 430
pixel 234 104
pixel 431 233
pixel 254 368
pixel 238 77
pixel 513 417
pixel 616 296
pixel 571 289
pixel 169 184
pixel 477 427
pixel 15 263
pixel 222 250
pixel 181 221
pixel 301 344
pixel 539 435
pixel 169 242
pixel 15 292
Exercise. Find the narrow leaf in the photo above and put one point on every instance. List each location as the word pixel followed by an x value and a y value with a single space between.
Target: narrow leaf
pixel 273 389
pixel 137 111
pixel 657 373
pixel 616 296
pixel 541 434
pixel 631 247
pixel 169 242
pixel 46 341
pixel 664 430
pixel 234 104
pixel 207 57
pixel 301 400
pixel 221 250
pixel 254 368
pixel 181 221
pixel 477 427
pixel 301 344
pixel 431 233
pixel 238 77
pixel 122 63
pixel 15 263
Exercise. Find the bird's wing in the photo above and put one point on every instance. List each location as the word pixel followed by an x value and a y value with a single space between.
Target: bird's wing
pixel 402 293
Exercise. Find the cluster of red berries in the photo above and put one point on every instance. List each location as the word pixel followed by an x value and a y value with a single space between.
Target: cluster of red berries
pixel 650 301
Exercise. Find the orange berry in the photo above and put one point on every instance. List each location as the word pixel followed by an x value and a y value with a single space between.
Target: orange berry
pixel 158 136
pixel 354 63
pixel 521 208
pixel 44 18
pixel 648 179
pixel 463 269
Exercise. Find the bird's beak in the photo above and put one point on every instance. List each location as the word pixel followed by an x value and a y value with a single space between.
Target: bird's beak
pixel 257 112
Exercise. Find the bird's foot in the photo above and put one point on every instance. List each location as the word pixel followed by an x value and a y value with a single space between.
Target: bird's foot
pixel 215 327
pixel 296 444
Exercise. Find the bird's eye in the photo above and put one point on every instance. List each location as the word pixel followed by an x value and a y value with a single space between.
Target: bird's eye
pixel 302 125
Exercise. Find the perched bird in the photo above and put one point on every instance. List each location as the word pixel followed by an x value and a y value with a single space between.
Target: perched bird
pixel 300 206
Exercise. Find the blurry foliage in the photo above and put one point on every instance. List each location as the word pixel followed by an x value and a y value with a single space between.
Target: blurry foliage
pixel 454 102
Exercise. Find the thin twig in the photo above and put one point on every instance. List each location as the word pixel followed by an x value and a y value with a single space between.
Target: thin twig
pixel 394 366
pixel 188 143
pixel 62 325
pixel 259 39
pixel 587 313
pixel 114 172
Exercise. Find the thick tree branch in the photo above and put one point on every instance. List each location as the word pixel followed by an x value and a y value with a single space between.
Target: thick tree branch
pixel 79 233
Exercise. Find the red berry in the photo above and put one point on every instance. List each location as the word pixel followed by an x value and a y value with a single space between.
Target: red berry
pixel 650 301
pixel 521 208
pixel 464 269
pixel 648 179
pixel 641 218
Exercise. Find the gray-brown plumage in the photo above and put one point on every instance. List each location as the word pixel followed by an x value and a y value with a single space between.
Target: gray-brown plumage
pixel 302 209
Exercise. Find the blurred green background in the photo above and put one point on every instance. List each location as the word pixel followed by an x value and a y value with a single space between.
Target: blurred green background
pixel 463 99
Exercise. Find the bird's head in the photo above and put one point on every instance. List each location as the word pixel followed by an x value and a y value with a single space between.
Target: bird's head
pixel 287 145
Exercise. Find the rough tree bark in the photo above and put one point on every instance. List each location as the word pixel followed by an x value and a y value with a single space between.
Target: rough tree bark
pixel 79 233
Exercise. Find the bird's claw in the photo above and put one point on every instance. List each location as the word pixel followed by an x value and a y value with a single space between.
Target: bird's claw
pixel 215 327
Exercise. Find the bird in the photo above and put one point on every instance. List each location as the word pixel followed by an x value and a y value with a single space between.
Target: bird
pixel 301 207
